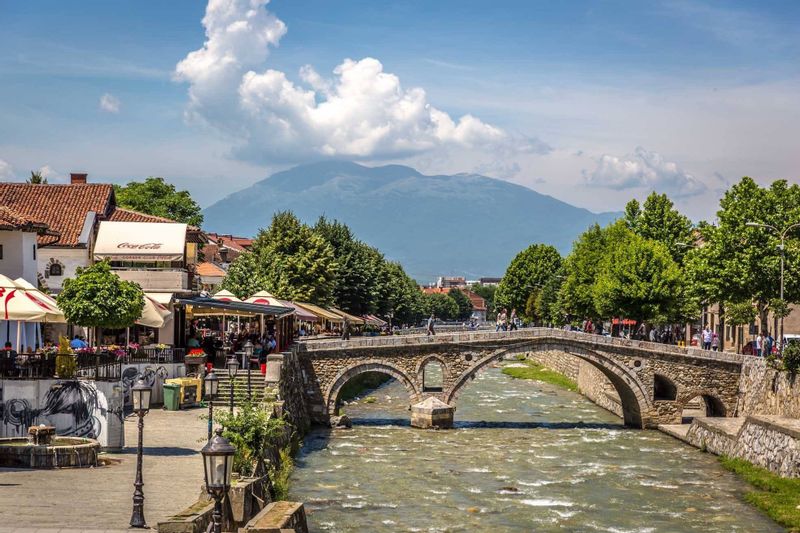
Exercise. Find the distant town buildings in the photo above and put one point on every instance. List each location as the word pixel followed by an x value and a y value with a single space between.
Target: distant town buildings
pixel 478 303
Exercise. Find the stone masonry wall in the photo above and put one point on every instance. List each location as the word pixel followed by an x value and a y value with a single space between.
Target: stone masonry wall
pixel 591 382
pixel 766 391
pixel 768 441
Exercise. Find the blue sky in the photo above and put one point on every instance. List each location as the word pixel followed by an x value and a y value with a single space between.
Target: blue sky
pixel 591 102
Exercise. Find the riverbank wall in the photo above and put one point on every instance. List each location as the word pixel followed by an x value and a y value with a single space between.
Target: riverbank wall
pixel 764 429
pixel 591 382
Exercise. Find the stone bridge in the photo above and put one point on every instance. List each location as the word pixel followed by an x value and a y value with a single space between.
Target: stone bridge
pixel 654 381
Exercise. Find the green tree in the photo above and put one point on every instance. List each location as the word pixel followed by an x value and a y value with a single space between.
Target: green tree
pixel 357 286
pixel 463 302
pixel 639 279
pixel 245 276
pixel 658 220
pixel 739 263
pixel 737 314
pixel 441 306
pixel 401 296
pixel 529 270
pixel 548 304
pixel 582 268
pixel 98 298
pixel 156 197
pixel 295 262
pixel 37 178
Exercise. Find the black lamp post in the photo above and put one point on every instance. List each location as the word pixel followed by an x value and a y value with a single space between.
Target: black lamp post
pixel 248 353
pixel 141 405
pixel 233 368
pixel 218 465
pixel 211 385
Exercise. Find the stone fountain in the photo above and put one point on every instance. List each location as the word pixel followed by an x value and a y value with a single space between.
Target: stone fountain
pixel 43 449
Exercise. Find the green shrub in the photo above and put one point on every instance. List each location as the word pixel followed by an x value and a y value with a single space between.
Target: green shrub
pixel 251 430
pixel 791 357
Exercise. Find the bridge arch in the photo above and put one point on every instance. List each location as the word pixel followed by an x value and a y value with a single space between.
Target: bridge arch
pixel 423 365
pixel 373 365
pixel 632 392
pixel 710 399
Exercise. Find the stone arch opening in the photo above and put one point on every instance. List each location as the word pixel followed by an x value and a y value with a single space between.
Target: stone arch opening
pixel 333 394
pixel 432 375
pixel 702 405
pixel 664 388
pixel 633 395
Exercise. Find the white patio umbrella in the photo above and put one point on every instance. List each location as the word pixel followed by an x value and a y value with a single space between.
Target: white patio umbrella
pixel 263 298
pixel 25 305
pixel 226 296
pixel 154 314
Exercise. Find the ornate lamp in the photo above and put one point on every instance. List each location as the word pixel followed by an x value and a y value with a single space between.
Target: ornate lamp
pixel 211 386
pixel 218 465
pixel 141 405
pixel 232 364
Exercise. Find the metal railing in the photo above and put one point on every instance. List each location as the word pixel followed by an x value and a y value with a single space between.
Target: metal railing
pixel 155 355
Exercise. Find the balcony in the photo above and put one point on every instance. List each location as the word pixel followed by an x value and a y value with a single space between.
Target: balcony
pixel 156 279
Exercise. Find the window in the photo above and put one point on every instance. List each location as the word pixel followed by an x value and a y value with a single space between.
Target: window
pixel 56 270
pixel 1 251
pixel 34 252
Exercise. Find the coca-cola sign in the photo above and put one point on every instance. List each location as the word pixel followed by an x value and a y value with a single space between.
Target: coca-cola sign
pixel 142 246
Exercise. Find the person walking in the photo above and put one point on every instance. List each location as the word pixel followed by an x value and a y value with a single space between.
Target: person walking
pixel 760 345
pixel 715 342
pixel 768 343
pixel 346 329
pixel 653 334
pixel 707 338
pixel 512 322
pixel 431 321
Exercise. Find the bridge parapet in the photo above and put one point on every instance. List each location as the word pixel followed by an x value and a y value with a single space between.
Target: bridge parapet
pixel 394 341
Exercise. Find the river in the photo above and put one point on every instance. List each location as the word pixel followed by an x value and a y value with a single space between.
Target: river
pixel 524 456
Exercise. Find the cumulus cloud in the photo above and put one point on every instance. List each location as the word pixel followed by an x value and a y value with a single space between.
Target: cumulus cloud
pixel 109 103
pixel 644 169
pixel 359 111
pixel 6 171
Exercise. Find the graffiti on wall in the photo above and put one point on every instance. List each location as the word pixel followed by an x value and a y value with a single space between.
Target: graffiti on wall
pixel 149 375
pixel 73 407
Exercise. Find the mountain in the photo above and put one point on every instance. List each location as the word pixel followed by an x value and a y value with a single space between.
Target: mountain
pixel 464 224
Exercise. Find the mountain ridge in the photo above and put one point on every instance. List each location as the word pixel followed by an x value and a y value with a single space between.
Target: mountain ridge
pixel 462 224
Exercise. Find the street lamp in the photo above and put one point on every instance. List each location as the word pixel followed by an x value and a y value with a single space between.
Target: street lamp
pixel 218 466
pixel 141 405
pixel 782 234
pixel 248 353
pixel 211 385
pixel 232 364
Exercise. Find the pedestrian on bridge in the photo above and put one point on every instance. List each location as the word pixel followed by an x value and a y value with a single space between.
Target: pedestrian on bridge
pixel 346 329
pixel 431 321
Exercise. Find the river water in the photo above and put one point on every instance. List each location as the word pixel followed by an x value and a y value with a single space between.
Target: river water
pixel 525 456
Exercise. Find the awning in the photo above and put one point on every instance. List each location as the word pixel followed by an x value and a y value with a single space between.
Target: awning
pixel 354 320
pixel 302 314
pixel 140 241
pixel 372 320
pixel 164 298
pixel 324 314
pixel 212 306
pixel 154 314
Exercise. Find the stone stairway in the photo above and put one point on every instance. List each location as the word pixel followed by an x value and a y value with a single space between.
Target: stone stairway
pixel 258 387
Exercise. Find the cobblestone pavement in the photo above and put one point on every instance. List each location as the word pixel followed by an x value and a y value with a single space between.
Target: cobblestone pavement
pixel 99 499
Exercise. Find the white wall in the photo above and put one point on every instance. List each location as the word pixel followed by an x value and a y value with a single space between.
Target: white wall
pixel 75 407
pixel 18 260
pixel 70 258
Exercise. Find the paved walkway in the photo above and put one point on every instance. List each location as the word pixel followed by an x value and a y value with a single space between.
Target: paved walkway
pixel 100 499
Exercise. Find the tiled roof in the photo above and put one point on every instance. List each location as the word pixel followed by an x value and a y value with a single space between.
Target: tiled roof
pixel 209 269
pixel 62 207
pixel 10 219
pixel 120 214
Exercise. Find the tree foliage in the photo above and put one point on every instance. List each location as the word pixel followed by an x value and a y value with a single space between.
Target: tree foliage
pixel 738 263
pixel 37 178
pixel 528 271
pixel 487 292
pixel 402 297
pixel 639 279
pixel 581 268
pixel 97 297
pixel 658 220
pixel 155 196
pixel 441 306
pixel 463 303
pixel 245 276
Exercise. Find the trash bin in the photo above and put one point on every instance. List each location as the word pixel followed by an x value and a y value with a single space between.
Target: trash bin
pixel 172 396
